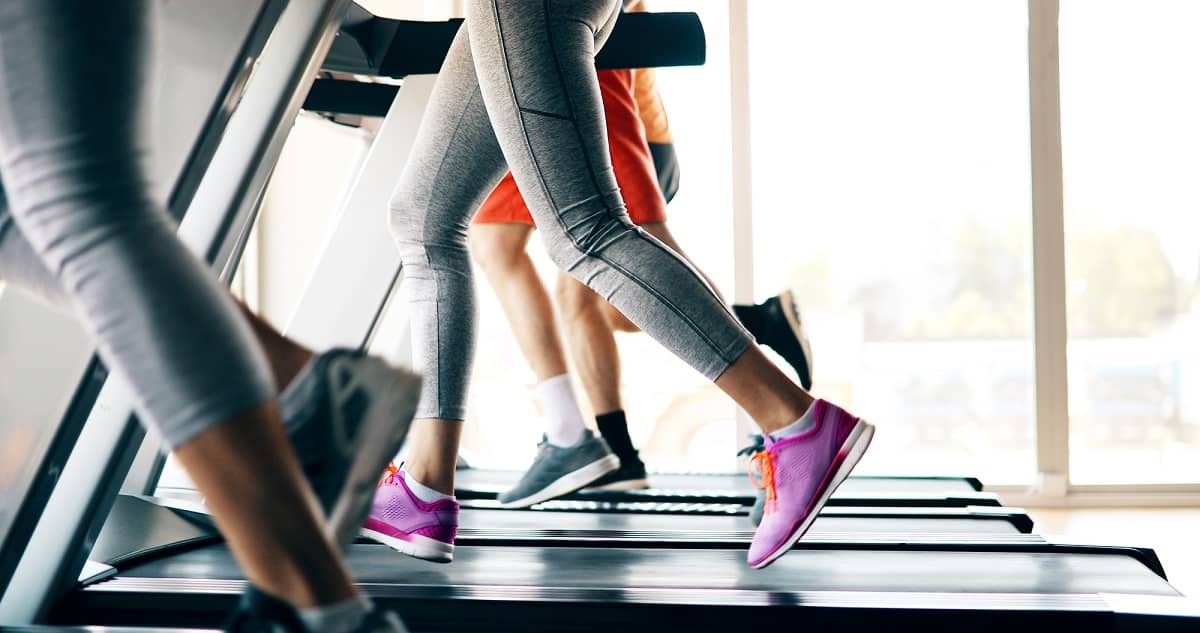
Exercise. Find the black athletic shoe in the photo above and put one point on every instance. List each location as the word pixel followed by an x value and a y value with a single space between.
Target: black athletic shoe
pixel 760 494
pixel 258 612
pixel 776 324
pixel 630 476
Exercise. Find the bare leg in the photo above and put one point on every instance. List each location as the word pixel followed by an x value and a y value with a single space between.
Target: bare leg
pixel 499 249
pixel 249 476
pixel 432 452
pixel 765 392
pixel 285 356
pixel 592 344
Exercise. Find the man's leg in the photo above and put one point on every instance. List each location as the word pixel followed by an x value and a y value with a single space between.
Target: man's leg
pixel 595 357
pixel 499 249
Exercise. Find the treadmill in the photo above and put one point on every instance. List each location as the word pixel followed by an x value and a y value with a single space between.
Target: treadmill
pixel 638 585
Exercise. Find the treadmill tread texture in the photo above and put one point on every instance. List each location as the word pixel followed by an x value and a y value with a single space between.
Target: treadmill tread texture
pixel 600 589
pixel 496 481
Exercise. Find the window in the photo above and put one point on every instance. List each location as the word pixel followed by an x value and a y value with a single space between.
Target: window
pixel 892 195
pixel 1131 155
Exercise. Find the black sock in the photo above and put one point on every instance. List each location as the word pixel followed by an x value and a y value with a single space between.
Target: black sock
pixel 615 431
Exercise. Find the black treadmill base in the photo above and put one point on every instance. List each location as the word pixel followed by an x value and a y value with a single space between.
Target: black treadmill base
pixel 456 613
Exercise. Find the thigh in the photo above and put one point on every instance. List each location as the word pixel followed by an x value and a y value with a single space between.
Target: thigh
pixel 72 84
pixel 536 67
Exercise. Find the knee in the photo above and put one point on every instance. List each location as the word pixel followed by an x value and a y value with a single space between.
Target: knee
pixel 424 236
pixel 574 298
pixel 493 253
pixel 404 218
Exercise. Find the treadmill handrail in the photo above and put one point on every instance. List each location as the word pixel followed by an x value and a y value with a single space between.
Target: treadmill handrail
pixel 398 48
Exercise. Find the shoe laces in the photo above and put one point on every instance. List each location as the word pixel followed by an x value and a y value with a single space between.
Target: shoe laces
pixel 764 463
pixel 756 444
pixel 391 476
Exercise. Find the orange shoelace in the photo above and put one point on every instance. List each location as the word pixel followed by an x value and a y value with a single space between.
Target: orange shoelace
pixel 765 462
pixel 391 475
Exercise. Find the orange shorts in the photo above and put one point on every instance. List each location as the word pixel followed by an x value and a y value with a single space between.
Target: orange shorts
pixel 632 162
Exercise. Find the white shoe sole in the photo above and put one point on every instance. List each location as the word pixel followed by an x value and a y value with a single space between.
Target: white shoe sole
pixel 856 445
pixel 421 547
pixel 394 396
pixel 569 482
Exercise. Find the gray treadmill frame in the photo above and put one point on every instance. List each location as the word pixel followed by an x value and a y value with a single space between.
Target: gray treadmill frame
pixel 218 219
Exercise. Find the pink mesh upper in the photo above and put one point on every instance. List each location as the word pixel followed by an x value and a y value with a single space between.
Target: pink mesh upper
pixel 403 513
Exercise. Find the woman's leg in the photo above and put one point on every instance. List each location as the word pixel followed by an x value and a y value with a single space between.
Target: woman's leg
pixel 535 66
pixel 72 156
pixel 537 76
pixel 455 164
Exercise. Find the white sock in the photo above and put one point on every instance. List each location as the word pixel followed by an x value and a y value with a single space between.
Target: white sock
pixel 804 424
pixel 564 422
pixel 342 617
pixel 423 492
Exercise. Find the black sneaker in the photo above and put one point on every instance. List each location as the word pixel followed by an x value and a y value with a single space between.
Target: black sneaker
pixel 760 493
pixel 347 414
pixel 259 612
pixel 776 324
pixel 630 476
pixel 559 470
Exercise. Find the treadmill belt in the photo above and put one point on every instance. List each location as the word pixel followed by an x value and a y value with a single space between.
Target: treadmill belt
pixel 494 527
pixel 502 588
pixel 483 484
pixel 497 481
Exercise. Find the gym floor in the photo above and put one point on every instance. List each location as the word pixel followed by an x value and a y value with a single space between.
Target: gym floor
pixel 1171 532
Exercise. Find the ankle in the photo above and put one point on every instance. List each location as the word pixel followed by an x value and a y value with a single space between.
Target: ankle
pixel 424 491
pixel 436 479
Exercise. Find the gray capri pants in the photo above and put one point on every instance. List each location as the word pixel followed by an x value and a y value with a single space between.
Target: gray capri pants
pixel 78 225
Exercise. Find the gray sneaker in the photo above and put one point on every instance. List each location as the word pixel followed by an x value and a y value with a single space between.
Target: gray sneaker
pixel 557 471
pixel 347 414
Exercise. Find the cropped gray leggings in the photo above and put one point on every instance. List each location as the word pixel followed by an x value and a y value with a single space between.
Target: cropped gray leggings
pixel 518 90
pixel 77 223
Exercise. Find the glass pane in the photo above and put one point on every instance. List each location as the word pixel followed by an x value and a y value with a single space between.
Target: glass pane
pixel 1131 153
pixel 677 419
pixel 891 194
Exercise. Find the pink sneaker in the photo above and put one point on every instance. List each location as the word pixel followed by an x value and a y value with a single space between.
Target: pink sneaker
pixel 800 473
pixel 410 526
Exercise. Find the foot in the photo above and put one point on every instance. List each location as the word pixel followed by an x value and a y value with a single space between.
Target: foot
pixel 400 520
pixel 347 415
pixel 760 493
pixel 557 471
pixel 800 473
pixel 630 476
pixel 776 324
pixel 259 612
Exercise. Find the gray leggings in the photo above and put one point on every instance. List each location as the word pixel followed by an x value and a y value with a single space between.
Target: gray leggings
pixel 79 224
pixel 518 90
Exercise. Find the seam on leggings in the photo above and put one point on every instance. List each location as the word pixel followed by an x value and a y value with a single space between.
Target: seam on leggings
pixel 562 84
pixel 546 114
pixel 512 91
pixel 685 318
